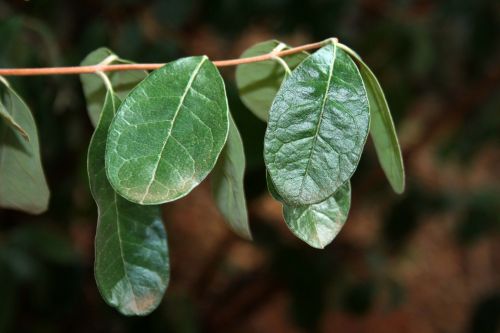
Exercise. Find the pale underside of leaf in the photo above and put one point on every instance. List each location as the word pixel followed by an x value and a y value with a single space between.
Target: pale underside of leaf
pixel 259 82
pixel 227 183
pixel 22 181
pixel 168 133
pixel 382 129
pixel 131 264
pixel 318 224
pixel 317 127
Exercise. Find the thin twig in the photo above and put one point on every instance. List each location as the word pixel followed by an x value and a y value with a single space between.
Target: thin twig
pixel 128 67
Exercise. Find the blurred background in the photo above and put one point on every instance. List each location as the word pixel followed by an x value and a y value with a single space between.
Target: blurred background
pixel 427 261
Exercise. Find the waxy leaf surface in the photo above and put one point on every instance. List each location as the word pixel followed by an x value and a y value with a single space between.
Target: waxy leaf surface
pixel 382 129
pixel 272 189
pixel 168 132
pixel 93 86
pixel 318 224
pixel 259 82
pixel 227 183
pixel 317 127
pixel 22 180
pixel 131 256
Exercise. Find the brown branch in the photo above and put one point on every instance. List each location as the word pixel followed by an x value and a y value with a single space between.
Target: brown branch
pixel 128 67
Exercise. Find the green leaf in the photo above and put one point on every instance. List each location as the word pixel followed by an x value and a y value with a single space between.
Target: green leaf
pixel 259 82
pixel 227 183
pixel 12 123
pixel 168 133
pixel 382 128
pixel 318 224
pixel 131 263
pixel 94 88
pixel 317 127
pixel 22 180
pixel 272 189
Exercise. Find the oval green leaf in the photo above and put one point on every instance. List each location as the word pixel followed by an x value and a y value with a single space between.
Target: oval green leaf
pixel 227 183
pixel 259 82
pixel 22 180
pixel 168 133
pixel 382 129
pixel 131 255
pixel 95 90
pixel 318 224
pixel 317 127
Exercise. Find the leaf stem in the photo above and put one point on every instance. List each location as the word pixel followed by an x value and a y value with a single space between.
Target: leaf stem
pixel 126 67
pixel 4 81
pixel 282 62
pixel 106 81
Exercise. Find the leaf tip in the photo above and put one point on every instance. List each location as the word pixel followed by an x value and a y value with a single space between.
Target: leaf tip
pixel 399 188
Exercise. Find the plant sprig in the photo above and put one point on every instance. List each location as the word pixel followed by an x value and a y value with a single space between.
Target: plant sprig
pixel 159 135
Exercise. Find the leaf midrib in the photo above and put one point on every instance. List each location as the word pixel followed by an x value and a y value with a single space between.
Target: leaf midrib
pixel 118 229
pixel 169 134
pixel 9 119
pixel 330 76
pixel 122 254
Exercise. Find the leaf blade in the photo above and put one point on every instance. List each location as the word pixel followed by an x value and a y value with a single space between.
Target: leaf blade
pixel 382 129
pixel 227 183
pixel 317 127
pixel 131 264
pixel 272 189
pixel 22 180
pixel 95 90
pixel 259 82
pixel 160 146
pixel 319 224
